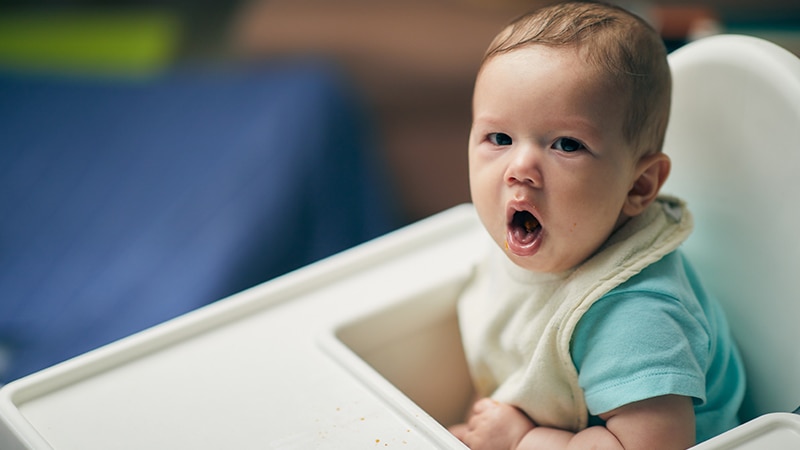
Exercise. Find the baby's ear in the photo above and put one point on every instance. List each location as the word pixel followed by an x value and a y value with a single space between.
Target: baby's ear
pixel 651 173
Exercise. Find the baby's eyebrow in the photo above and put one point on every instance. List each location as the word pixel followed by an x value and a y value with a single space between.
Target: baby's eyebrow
pixel 486 120
pixel 585 128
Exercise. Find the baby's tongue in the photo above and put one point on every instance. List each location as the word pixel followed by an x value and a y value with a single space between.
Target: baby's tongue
pixel 521 236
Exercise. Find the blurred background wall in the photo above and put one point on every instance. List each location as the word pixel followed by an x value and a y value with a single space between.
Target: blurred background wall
pixel 413 60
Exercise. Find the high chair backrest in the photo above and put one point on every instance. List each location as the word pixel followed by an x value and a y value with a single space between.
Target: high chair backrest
pixel 734 139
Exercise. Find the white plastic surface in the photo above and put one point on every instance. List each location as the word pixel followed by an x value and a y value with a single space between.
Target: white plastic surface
pixel 773 431
pixel 734 139
pixel 267 369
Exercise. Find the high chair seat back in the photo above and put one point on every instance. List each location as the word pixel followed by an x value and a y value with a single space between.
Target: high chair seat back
pixel 734 140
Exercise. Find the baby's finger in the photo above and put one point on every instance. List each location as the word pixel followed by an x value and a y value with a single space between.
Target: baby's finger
pixel 484 404
pixel 459 431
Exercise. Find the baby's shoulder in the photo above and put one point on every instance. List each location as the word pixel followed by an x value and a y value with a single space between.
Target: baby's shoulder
pixel 670 276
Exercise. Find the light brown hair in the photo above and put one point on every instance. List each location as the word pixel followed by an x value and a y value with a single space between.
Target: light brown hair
pixel 625 48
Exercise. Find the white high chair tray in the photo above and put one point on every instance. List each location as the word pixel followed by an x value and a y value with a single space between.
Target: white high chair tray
pixel 265 368
pixel 329 356
pixel 770 431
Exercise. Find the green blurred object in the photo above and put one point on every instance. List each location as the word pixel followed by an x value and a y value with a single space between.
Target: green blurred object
pixel 105 42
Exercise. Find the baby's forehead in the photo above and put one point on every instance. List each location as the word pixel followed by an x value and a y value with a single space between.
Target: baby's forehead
pixel 580 55
pixel 596 76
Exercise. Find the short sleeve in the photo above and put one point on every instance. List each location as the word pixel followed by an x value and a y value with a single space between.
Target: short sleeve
pixel 635 345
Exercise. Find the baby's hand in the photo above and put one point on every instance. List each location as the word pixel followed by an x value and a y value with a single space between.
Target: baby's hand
pixel 493 425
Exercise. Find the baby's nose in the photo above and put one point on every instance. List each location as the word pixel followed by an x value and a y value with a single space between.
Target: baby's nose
pixel 525 167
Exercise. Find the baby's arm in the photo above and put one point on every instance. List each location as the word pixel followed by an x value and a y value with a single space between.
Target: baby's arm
pixel 662 422
pixel 665 422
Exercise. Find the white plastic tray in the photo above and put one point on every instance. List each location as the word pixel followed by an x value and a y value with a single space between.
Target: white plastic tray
pixel 772 431
pixel 358 351
pixel 276 366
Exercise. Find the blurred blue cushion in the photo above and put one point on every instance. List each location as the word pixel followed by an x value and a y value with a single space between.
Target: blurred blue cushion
pixel 124 203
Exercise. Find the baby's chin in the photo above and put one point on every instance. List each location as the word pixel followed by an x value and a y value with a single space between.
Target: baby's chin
pixel 539 263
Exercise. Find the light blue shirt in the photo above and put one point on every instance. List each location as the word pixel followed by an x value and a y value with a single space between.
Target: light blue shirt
pixel 660 333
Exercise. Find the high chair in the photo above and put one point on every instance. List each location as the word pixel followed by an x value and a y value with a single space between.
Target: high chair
pixel 732 137
pixel 361 350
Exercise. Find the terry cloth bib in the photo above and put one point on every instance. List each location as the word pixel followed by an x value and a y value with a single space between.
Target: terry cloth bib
pixel 517 325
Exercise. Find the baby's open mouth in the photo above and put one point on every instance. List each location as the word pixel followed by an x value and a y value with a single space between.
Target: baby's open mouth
pixel 524 227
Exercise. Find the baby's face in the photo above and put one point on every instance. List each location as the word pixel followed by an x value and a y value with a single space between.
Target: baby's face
pixel 549 167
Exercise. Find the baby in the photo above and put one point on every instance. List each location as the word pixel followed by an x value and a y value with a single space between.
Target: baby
pixel 585 326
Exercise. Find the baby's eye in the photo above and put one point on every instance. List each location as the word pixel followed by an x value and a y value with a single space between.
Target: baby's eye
pixel 499 139
pixel 568 145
